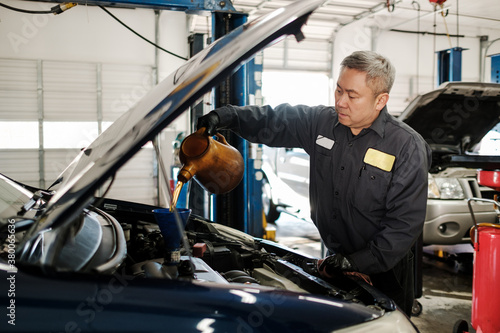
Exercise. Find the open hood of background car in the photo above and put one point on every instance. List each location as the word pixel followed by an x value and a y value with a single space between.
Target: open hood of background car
pixel 112 149
pixel 453 119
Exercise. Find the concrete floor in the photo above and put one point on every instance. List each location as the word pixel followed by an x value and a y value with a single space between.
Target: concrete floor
pixel 447 284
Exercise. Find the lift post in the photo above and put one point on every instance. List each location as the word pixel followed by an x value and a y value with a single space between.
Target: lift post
pixel 449 64
pixel 241 208
pixel 495 68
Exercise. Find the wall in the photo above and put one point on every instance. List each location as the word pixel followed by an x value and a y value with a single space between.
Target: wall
pixel 88 34
pixel 82 33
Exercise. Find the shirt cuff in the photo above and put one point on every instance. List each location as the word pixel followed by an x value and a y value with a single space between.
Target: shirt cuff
pixel 225 114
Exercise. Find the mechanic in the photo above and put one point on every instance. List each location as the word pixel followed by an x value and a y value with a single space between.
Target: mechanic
pixel 368 172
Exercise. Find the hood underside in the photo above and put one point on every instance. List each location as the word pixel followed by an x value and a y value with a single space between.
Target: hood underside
pixel 454 118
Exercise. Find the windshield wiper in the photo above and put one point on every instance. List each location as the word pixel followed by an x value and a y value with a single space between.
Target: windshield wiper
pixel 34 200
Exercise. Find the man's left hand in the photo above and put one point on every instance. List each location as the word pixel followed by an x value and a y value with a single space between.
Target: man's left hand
pixel 334 264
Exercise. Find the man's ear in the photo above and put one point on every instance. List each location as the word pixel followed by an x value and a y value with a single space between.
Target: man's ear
pixel 381 100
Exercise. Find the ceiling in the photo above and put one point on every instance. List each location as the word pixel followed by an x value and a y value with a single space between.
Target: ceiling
pixel 467 18
pixel 404 15
pixel 454 17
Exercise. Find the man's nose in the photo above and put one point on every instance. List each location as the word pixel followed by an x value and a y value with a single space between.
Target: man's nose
pixel 342 100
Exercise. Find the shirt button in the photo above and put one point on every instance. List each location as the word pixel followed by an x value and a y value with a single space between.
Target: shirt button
pixel 372 177
pixel 342 168
pixel 350 144
pixel 336 192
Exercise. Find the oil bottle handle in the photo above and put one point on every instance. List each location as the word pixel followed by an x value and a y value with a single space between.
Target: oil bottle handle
pixel 221 139
pixel 201 131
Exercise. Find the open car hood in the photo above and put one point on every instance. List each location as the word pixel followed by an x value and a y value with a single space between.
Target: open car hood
pixel 114 147
pixel 453 119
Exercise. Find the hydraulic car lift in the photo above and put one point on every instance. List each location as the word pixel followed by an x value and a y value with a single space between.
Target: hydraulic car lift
pixel 241 208
pixel 449 65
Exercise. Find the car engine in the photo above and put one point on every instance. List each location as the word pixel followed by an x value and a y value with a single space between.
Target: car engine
pixel 223 255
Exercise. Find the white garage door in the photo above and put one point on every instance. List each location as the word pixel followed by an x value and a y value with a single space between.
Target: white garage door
pixel 49 110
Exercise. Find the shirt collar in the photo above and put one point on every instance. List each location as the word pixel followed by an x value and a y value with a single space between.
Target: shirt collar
pixel 378 125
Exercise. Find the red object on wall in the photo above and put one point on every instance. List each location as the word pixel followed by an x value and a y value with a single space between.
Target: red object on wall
pixel 437 2
pixel 485 286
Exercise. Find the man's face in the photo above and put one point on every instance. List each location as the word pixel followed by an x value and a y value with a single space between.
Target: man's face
pixel 356 104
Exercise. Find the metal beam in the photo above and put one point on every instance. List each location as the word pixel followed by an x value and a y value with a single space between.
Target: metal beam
pixel 40 106
pixel 191 6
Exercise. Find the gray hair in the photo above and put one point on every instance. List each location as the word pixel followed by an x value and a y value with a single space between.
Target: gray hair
pixel 379 71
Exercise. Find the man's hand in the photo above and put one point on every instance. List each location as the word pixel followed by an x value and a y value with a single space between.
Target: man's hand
pixel 310 266
pixel 334 264
pixel 210 121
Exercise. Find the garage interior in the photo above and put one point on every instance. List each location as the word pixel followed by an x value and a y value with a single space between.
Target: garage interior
pixel 65 78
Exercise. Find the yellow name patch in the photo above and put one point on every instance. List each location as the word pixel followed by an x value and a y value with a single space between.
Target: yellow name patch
pixel 379 159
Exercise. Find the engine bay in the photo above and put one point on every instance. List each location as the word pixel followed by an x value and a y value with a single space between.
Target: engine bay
pixel 223 255
pixel 123 237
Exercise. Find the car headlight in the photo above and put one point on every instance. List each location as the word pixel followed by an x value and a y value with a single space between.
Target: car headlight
pixel 444 188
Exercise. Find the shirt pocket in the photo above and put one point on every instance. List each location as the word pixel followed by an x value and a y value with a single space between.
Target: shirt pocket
pixel 371 189
pixel 321 166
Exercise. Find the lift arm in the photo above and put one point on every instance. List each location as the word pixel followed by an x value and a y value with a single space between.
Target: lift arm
pixel 190 6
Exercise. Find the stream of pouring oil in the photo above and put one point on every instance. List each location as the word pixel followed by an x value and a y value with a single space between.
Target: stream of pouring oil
pixel 175 195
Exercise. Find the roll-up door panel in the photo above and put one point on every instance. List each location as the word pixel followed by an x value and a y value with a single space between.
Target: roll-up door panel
pixel 135 181
pixel 70 91
pixel 56 160
pixel 122 87
pixel 18 89
pixel 20 165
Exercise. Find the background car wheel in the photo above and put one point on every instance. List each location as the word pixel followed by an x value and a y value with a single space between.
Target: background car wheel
pixel 270 209
pixel 461 326
pixel 416 309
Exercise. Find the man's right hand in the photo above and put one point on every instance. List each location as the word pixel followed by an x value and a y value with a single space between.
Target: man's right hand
pixel 210 121
pixel 334 264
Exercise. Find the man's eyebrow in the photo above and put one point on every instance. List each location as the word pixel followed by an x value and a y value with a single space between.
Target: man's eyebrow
pixel 352 91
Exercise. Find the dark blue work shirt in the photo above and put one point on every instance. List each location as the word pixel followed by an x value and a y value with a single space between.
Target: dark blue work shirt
pixel 368 192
